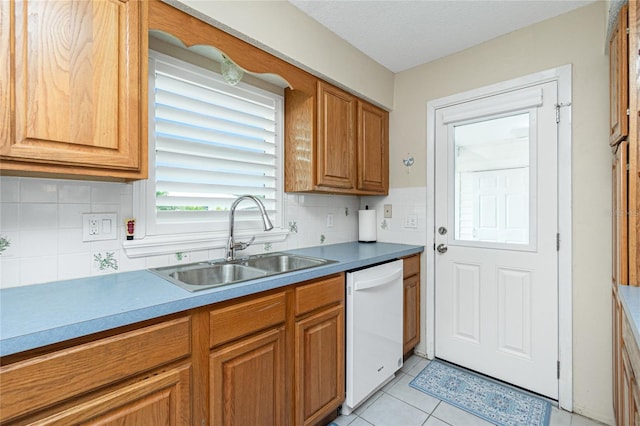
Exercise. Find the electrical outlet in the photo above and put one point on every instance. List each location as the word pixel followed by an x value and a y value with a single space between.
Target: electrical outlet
pixel 411 221
pixel 330 220
pixel 387 211
pixel 99 226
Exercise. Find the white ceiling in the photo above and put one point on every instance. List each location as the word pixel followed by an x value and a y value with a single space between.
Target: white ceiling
pixel 400 34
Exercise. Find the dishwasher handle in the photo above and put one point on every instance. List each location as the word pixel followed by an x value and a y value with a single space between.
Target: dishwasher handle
pixel 378 282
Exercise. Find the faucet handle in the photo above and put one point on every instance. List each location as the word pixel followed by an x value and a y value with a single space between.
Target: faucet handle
pixel 241 246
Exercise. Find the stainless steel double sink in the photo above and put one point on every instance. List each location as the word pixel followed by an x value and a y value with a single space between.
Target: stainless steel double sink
pixel 203 275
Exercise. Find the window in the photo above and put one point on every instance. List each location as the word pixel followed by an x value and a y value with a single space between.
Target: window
pixel 209 143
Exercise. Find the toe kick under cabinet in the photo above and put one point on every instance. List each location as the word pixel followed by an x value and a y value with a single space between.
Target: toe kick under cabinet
pixel 272 358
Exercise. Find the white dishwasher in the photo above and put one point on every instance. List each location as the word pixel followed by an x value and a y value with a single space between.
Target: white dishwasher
pixel 374 330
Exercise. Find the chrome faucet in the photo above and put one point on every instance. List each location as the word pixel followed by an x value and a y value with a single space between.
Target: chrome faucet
pixel 232 246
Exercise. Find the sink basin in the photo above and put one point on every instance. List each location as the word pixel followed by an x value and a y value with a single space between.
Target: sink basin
pixel 281 262
pixel 198 276
pixel 203 275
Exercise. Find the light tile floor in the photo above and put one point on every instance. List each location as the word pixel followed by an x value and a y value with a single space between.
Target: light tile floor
pixel 398 404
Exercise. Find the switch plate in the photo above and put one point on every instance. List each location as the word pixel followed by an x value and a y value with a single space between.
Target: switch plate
pixel 99 226
pixel 387 211
pixel 411 221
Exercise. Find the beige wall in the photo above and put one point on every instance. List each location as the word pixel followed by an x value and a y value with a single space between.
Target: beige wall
pixel 575 38
pixel 283 28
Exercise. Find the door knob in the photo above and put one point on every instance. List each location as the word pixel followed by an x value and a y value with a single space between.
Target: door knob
pixel 442 248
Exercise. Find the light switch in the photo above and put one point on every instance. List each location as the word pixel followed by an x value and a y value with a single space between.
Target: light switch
pixel 106 226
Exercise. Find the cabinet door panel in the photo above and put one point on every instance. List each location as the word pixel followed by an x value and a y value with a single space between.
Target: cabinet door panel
pixel 373 159
pixel 161 399
pixel 51 378
pixel 626 396
pixel 619 80
pixel 336 138
pixel 616 355
pixel 411 312
pixel 620 218
pixel 247 381
pixel 319 363
pixel 76 67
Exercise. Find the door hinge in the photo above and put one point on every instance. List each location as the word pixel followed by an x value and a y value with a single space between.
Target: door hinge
pixel 628 111
pixel 558 365
pixel 558 242
pixel 558 106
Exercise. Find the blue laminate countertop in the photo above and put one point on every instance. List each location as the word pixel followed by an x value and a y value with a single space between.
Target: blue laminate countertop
pixel 630 298
pixel 38 315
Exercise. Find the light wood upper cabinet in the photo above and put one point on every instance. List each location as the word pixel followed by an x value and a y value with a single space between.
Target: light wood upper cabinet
pixel 74 73
pixel 336 149
pixel 619 80
pixel 624 46
pixel 335 143
pixel 373 146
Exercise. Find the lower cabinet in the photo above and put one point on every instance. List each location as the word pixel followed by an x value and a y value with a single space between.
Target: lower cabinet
pixel 247 381
pixel 616 334
pixel 127 378
pixel 319 350
pixel 626 369
pixel 247 378
pixel 411 285
pixel 160 399
pixel 273 358
pixel 251 381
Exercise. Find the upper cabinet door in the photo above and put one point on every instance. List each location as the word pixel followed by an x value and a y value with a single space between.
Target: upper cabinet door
pixel 335 149
pixel 73 72
pixel 619 80
pixel 373 158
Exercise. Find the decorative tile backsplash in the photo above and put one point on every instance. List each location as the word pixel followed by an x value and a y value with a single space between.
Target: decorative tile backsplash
pixel 41 229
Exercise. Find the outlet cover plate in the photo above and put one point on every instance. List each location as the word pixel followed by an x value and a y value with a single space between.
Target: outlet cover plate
pixel 388 211
pixel 411 221
pixel 99 226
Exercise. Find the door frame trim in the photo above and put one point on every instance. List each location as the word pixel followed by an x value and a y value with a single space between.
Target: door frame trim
pixel 562 75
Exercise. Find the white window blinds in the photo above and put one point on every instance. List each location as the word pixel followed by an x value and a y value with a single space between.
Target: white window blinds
pixel 213 143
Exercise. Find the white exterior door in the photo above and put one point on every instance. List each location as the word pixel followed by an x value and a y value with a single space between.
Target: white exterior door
pixel 496 222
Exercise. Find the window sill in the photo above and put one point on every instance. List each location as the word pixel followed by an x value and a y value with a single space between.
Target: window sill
pixel 168 244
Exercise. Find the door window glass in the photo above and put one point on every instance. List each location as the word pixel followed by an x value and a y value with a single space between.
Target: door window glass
pixel 492 172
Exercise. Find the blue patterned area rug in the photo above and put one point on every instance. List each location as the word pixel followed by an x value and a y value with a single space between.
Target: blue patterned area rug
pixel 497 403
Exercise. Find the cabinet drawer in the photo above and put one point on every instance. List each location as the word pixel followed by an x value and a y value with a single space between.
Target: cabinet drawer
pixel 319 293
pixel 51 378
pixel 411 265
pixel 631 346
pixel 231 322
